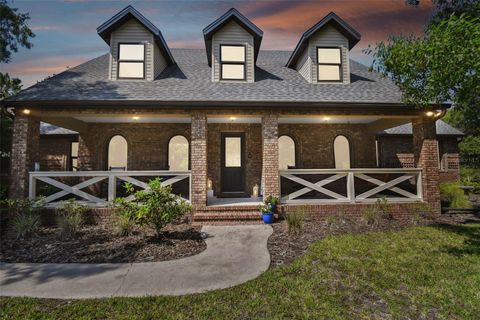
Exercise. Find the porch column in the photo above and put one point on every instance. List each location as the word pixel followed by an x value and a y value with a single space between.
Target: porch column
pixel 270 174
pixel 198 195
pixel 25 144
pixel 426 158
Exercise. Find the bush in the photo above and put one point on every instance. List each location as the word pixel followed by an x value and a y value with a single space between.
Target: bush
pixel 125 216
pixel 25 206
pixel 25 225
pixel 470 177
pixel 380 210
pixel 421 210
pixel 295 221
pixel 450 192
pixel 157 206
pixel 124 226
pixel 70 217
pixel 371 215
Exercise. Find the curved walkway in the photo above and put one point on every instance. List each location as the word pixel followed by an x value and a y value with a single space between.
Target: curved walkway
pixel 234 254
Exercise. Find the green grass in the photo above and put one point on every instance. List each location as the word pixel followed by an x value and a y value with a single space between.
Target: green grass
pixel 422 272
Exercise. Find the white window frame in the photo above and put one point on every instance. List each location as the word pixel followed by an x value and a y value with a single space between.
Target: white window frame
pixel 340 66
pixel 170 152
pixel 226 62
pixel 120 61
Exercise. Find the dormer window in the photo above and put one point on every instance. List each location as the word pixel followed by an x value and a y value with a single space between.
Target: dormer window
pixel 131 61
pixel 329 64
pixel 232 62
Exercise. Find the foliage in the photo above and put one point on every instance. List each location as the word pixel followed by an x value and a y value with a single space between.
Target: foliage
pixel 265 208
pixel 441 66
pixel 126 216
pixel 14 31
pixel 470 177
pixel 123 226
pixel 451 193
pixel 421 211
pixel 470 151
pixel 379 210
pixel 24 205
pixel 157 206
pixel 25 225
pixel 272 200
pixel 295 221
pixel 413 273
pixel 70 217
pixel 9 86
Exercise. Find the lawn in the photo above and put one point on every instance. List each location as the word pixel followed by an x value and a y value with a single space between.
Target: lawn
pixel 420 272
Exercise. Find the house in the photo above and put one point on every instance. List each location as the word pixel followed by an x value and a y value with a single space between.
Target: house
pixel 228 124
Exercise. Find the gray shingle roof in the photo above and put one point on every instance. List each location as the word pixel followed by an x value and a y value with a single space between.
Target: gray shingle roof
pixel 443 128
pixel 50 129
pixel 190 81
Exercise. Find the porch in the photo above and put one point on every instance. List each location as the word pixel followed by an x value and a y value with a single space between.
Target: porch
pixel 228 161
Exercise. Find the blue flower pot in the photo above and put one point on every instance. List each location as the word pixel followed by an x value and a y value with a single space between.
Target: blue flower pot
pixel 267 218
pixel 274 208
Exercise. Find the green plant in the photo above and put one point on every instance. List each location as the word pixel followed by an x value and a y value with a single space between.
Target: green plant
pixel 25 225
pixel 371 215
pixel 378 211
pixel 126 216
pixel 158 206
pixel 295 221
pixel 272 200
pixel 454 195
pixel 70 217
pixel 383 208
pixel 24 206
pixel 470 177
pixel 421 210
pixel 265 208
pixel 124 226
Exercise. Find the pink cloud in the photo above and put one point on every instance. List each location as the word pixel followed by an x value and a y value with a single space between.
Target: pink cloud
pixel 46 28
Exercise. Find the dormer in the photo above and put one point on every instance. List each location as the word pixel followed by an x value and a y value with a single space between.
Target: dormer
pixel 232 43
pixel 322 54
pixel 138 50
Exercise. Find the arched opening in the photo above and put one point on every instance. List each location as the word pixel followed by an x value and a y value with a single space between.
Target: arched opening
pixel 117 153
pixel 286 152
pixel 341 147
pixel 178 153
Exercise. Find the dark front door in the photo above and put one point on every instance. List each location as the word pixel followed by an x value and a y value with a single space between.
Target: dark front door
pixel 233 164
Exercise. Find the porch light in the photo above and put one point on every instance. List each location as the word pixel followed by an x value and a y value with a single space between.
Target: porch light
pixel 209 184
pixel 135 118
pixel 255 191
pixel 233 118
pixel 429 113
pixel 326 118
pixel 26 111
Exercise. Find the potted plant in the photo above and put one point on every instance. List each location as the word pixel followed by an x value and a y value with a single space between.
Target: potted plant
pixel 266 211
pixel 273 201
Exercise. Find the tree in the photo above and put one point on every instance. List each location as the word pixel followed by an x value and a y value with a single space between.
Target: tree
pixel 14 31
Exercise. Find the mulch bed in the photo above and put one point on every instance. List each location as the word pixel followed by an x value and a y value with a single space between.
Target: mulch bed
pixel 285 247
pixel 99 244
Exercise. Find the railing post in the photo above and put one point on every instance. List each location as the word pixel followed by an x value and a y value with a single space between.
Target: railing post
pixel 351 187
pixel 112 187
pixel 32 187
pixel 419 185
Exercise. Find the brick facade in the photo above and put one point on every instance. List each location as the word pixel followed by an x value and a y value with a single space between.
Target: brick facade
pixel 270 176
pixel 426 158
pixel 25 145
pixel 199 158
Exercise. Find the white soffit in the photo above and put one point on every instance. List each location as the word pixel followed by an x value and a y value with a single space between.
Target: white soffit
pixel 329 119
pixel 133 119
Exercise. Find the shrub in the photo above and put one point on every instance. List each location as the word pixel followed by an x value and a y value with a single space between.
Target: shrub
pixel 124 226
pixel 24 206
pixel 25 225
pixel 380 210
pixel 421 210
pixel 158 206
pixel 295 221
pixel 383 208
pixel 126 216
pixel 371 215
pixel 272 200
pixel 471 177
pixel 70 217
pixel 450 192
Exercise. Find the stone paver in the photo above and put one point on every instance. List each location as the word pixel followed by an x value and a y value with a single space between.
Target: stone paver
pixel 234 254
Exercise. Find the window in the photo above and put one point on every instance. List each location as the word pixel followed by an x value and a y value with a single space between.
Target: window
pixel 178 153
pixel 131 61
pixel 117 153
pixel 329 64
pixel 233 152
pixel 74 156
pixel 232 62
pixel 341 149
pixel 286 152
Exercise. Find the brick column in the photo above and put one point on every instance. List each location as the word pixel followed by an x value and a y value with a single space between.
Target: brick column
pixel 198 195
pixel 25 144
pixel 426 157
pixel 270 174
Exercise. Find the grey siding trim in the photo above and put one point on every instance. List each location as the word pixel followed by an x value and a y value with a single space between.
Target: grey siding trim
pixel 232 33
pixel 304 66
pixel 329 37
pixel 159 62
pixel 132 31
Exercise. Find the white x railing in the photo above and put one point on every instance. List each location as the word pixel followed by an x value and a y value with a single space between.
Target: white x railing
pixel 347 189
pixel 90 178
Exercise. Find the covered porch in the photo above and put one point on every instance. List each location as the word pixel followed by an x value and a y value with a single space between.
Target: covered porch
pixel 228 158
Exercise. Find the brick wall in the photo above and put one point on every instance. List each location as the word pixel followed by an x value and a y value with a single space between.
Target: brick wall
pixel 314 144
pixel 55 152
pixel 199 156
pixel 25 142
pixel 253 153
pixel 270 176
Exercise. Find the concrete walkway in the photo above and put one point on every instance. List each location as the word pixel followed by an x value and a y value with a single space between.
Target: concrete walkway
pixel 234 254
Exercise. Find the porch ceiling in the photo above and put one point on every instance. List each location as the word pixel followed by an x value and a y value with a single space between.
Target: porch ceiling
pixel 333 119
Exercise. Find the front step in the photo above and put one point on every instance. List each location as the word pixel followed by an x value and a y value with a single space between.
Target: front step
pixel 225 215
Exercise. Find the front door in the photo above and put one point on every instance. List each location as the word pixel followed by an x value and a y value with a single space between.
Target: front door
pixel 233 164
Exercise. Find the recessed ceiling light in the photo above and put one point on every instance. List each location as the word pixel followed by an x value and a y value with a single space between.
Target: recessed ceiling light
pixel 26 111
pixel 233 118
pixel 326 118
pixel 135 118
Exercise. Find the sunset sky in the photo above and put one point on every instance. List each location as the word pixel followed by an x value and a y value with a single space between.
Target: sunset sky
pixel 66 33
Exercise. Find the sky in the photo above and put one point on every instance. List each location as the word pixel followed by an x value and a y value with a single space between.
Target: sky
pixel 66 29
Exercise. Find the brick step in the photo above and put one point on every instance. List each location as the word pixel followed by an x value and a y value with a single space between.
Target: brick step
pixel 227 215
